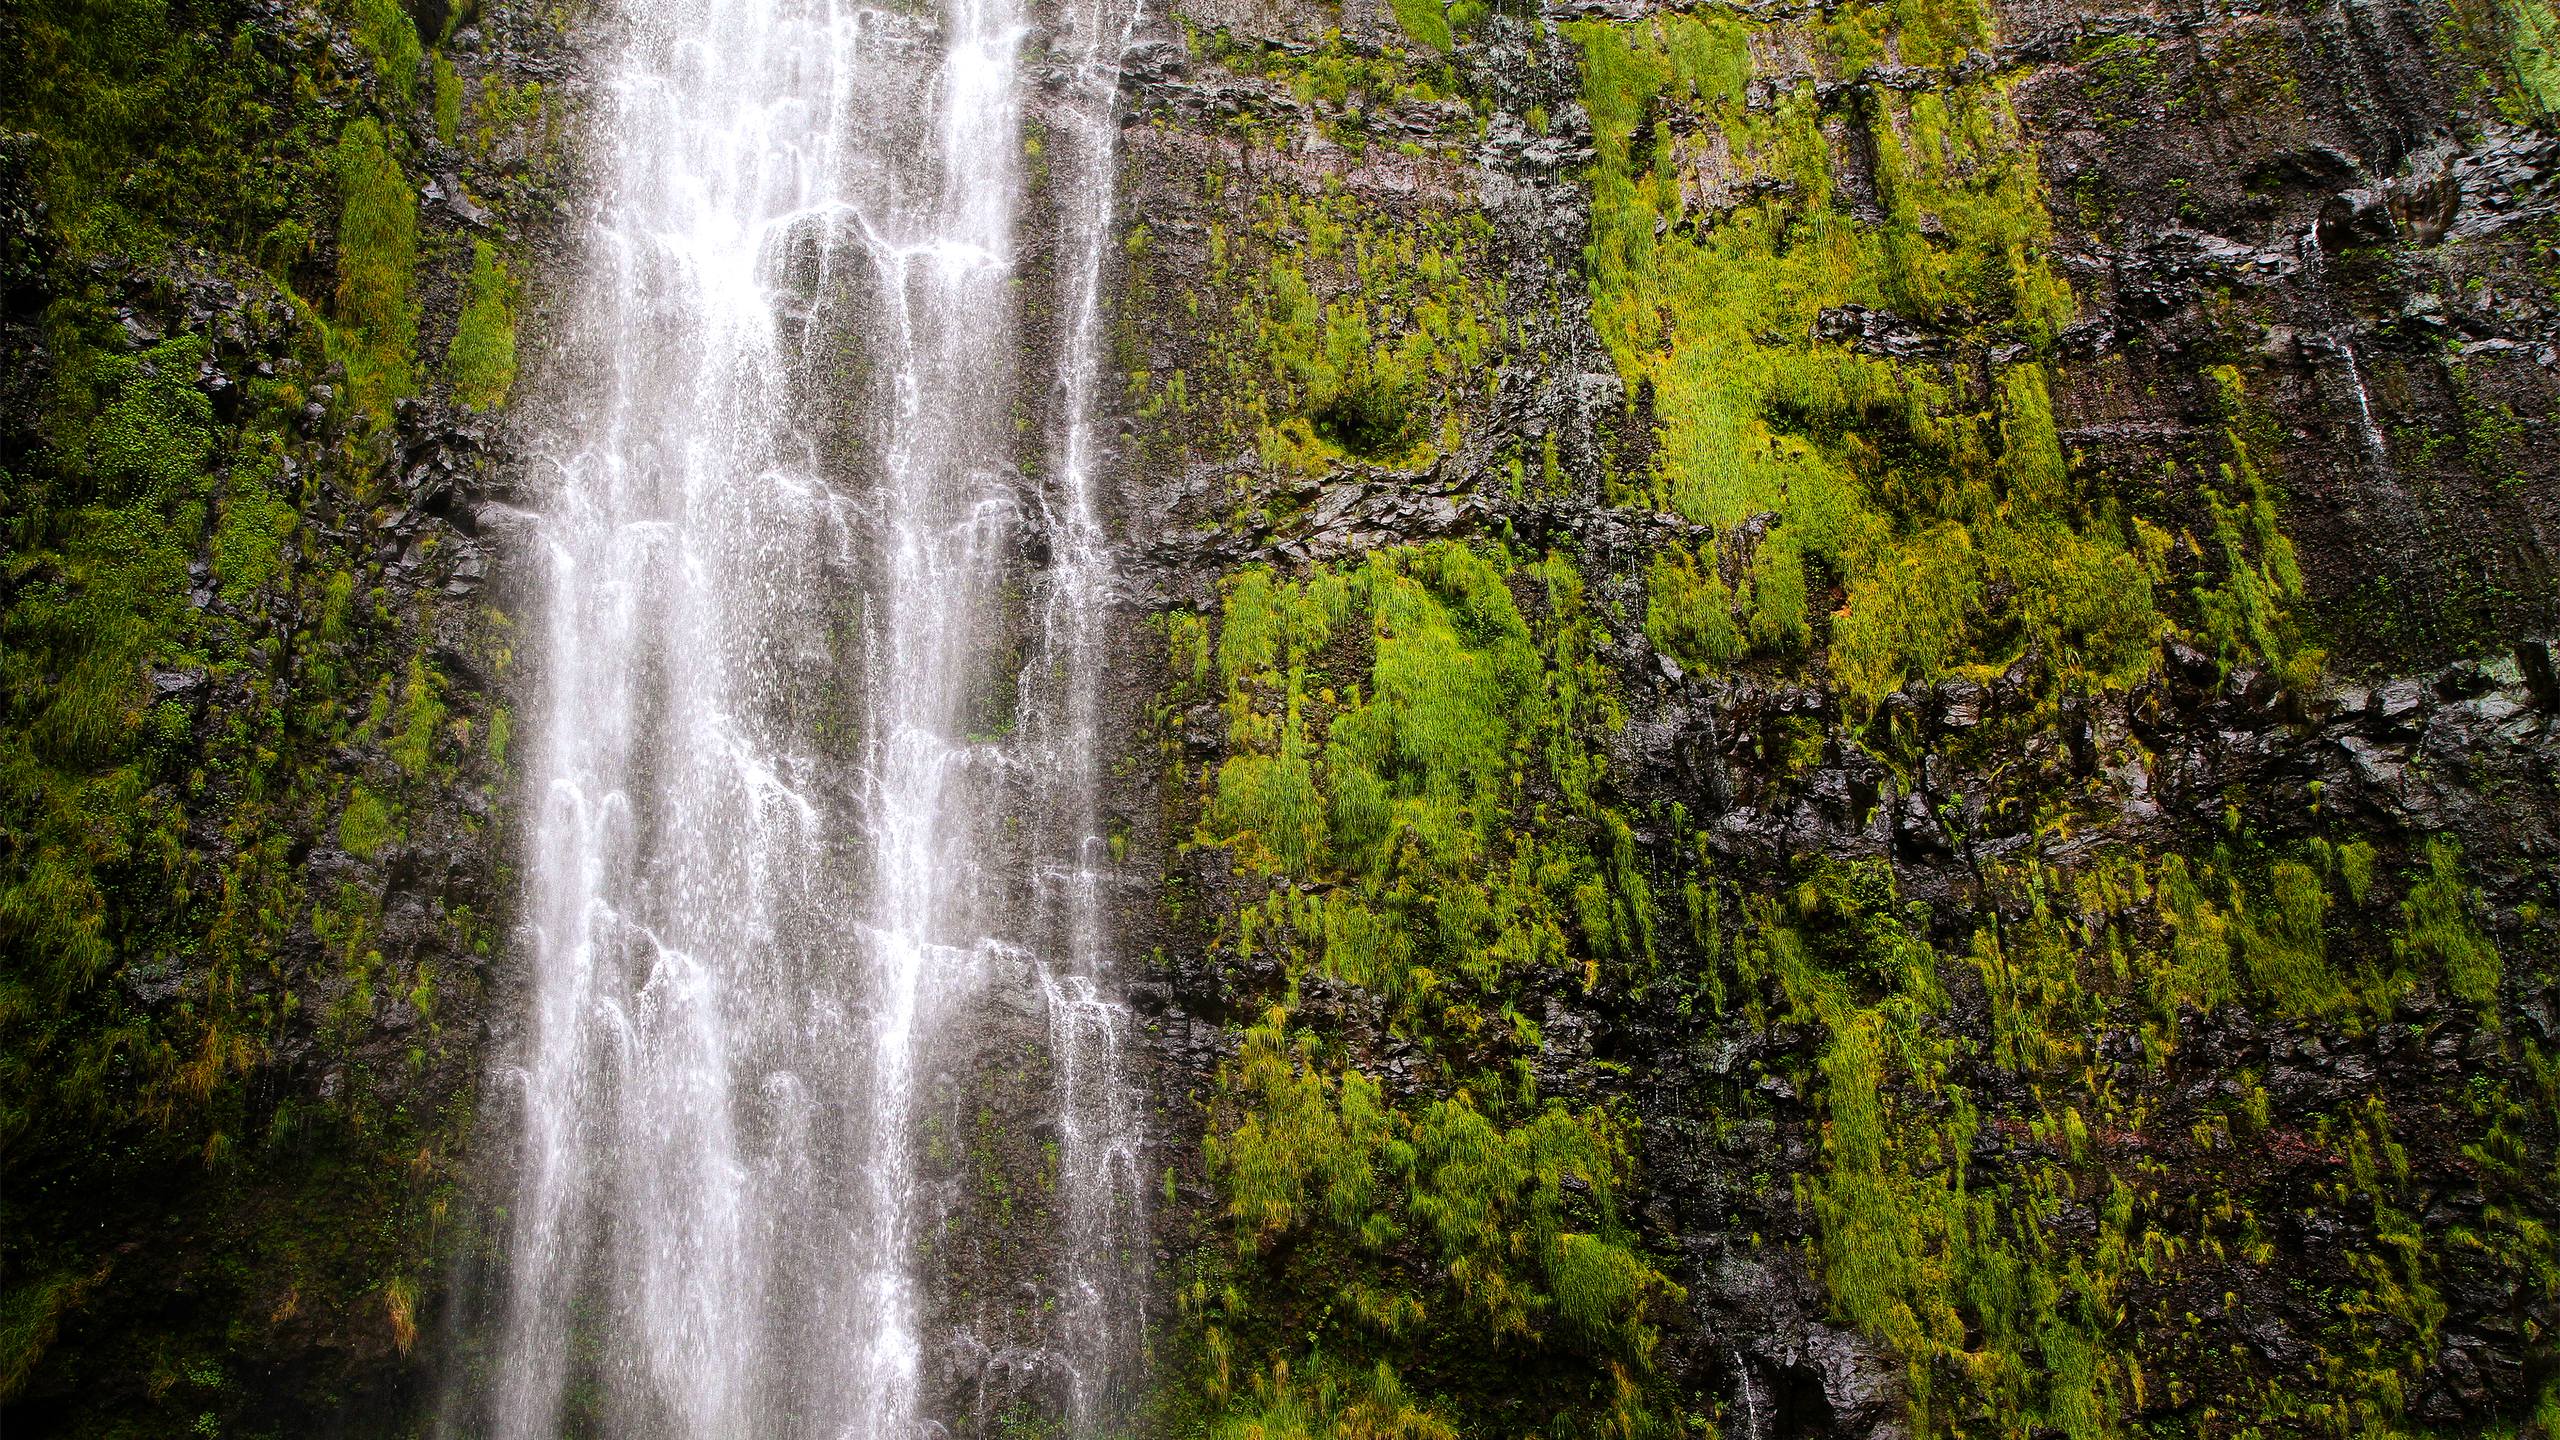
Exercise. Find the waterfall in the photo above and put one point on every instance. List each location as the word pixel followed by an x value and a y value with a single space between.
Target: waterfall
pixel 775 751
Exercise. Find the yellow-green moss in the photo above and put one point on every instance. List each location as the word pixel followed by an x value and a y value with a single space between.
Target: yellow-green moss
pixel 1352 334
pixel 1401 802
pixel 448 101
pixel 1689 610
pixel 1951 517
pixel 2023 1245
pixel 367 823
pixel 2533 52
pixel 248 544
pixel 384 29
pixel 1425 22
pixel 2439 929
pixel 2249 614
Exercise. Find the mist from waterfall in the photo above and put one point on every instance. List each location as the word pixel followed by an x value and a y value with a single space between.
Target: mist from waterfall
pixel 773 845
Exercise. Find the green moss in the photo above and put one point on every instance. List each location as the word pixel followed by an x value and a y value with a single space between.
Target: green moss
pixel 501 113
pixel 2533 52
pixel 448 102
pixel 421 716
pixel 29 1318
pixel 1709 56
pixel 1267 807
pixel 2284 944
pixel 482 359
pixel 1778 618
pixel 384 29
pixel 1352 333
pixel 164 1220
pixel 2199 972
pixel 367 823
pixel 1331 1401
pixel 1356 96
pixel 377 260
pixel 337 605
pixel 1425 22
pixel 1907 619
pixel 2249 614
pixel 2355 869
pixel 1949 513
pixel 2439 928
pixel 1944 1270
pixel 248 544
pixel 152 127
pixel 1688 614
pixel 1413 697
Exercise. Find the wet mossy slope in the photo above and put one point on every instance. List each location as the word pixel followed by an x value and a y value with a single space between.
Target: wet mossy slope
pixel 254 730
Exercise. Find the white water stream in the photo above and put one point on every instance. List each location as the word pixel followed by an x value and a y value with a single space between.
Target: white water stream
pixel 767 866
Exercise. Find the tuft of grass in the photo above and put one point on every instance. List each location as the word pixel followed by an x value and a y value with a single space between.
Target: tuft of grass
pixel 248 543
pixel 1689 611
pixel 448 101
pixel 2284 945
pixel 368 823
pixel 421 716
pixel 386 32
pixel 2438 926
pixel 482 358
pixel 1425 22
pixel 377 334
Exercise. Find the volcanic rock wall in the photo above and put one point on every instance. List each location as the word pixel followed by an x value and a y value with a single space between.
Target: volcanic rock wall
pixel 1858 728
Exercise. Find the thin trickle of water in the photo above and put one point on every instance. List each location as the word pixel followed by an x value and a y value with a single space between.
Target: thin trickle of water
pixel 2341 343
pixel 784 494
pixel 2376 448
pixel 1755 1425
pixel 1098 1119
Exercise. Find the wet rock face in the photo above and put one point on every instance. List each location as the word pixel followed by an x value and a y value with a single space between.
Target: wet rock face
pixel 2014 1045
pixel 2301 187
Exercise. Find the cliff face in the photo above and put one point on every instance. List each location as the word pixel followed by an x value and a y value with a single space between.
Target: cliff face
pixel 1841 720
pixel 263 271
pixel 1857 733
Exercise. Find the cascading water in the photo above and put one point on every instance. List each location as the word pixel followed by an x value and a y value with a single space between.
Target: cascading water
pixel 761 874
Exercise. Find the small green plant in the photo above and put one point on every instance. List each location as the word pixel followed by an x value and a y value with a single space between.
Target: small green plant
pixel 248 544
pixel 1425 21
pixel 2438 927
pixel 448 101
pixel 482 359
pixel 384 29
pixel 367 824
pixel 1689 611
pixel 377 260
